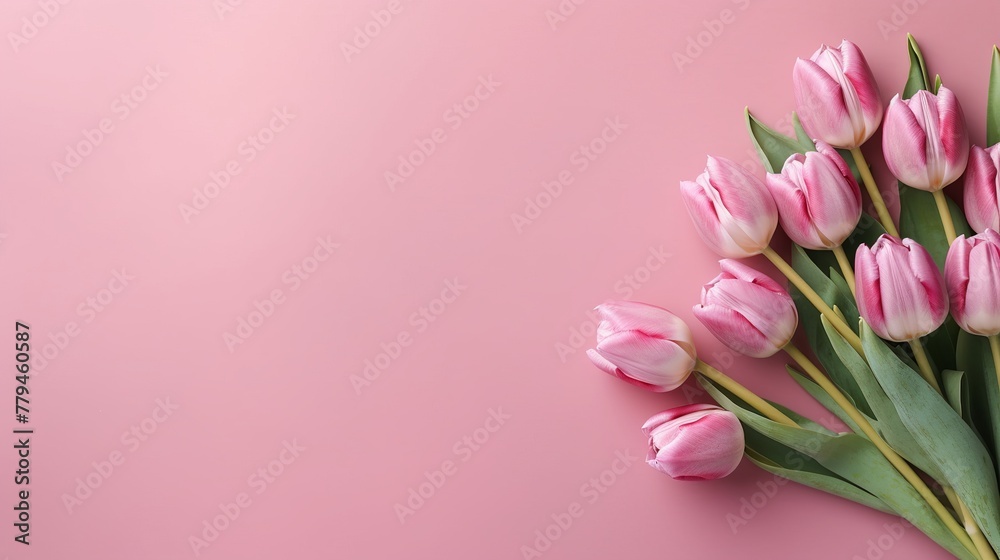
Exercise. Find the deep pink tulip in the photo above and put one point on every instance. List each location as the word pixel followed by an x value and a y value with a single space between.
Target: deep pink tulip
pixel 731 209
pixel 836 96
pixel 694 442
pixel 644 345
pixel 924 141
pixel 819 202
pixel 901 292
pixel 748 311
pixel 981 188
pixel 972 272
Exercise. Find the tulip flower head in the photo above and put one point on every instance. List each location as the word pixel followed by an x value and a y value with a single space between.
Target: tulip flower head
pixel 972 273
pixel 924 141
pixel 836 96
pixel 694 442
pixel 731 209
pixel 818 199
pixel 747 310
pixel 644 345
pixel 900 291
pixel 982 187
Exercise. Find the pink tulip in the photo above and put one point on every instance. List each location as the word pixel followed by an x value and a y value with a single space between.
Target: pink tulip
pixel 982 188
pixel 901 292
pixel 748 311
pixel 819 202
pixel 836 95
pixel 694 442
pixel 731 209
pixel 644 345
pixel 925 143
pixel 972 272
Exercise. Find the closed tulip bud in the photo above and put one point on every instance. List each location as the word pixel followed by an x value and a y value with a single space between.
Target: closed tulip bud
pixel 694 442
pixel 644 345
pixel 836 95
pixel 819 202
pixel 900 291
pixel 982 187
pixel 972 272
pixel 731 209
pixel 924 142
pixel 748 311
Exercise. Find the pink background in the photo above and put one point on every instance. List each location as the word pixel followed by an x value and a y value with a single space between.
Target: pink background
pixel 494 348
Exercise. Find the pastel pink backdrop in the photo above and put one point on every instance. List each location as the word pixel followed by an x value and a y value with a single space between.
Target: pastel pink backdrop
pixel 495 347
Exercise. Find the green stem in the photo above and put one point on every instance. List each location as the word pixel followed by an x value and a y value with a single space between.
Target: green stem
pixel 876 195
pixel 926 371
pixel 845 268
pixel 995 349
pixel 945 212
pixel 815 299
pixel 731 385
pixel 894 459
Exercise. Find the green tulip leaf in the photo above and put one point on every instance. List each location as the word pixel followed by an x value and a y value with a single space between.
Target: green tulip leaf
pixel 920 220
pixel 774 147
pixel 949 442
pixel 975 358
pixel 917 79
pixel 993 101
pixel 800 133
pixel 853 459
pixel 821 396
pixel 809 318
pixel 887 421
pixel 956 391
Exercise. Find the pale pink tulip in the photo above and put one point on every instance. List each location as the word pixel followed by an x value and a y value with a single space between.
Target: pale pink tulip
pixel 982 187
pixel 694 442
pixel 819 202
pixel 972 272
pixel 924 140
pixel 901 293
pixel 731 209
pixel 748 311
pixel 644 345
pixel 836 96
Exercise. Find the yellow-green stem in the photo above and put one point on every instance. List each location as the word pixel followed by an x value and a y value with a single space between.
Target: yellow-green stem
pixel 876 195
pixel 815 299
pixel 845 268
pixel 945 212
pixel 926 371
pixel 982 545
pixel 731 385
pixel 995 348
pixel 970 523
pixel 897 462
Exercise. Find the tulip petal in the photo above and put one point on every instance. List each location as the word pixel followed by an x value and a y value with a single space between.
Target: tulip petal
pixel 869 290
pixel 819 102
pixel 648 319
pixel 606 366
pixel 702 445
pixel 661 418
pixel 981 189
pixel 904 145
pixel 650 360
pixel 861 78
pixel 953 136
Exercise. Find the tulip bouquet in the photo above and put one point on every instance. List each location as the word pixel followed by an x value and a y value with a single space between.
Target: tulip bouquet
pixel 902 323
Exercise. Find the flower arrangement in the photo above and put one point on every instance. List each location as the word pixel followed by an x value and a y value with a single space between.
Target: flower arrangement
pixel 903 323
